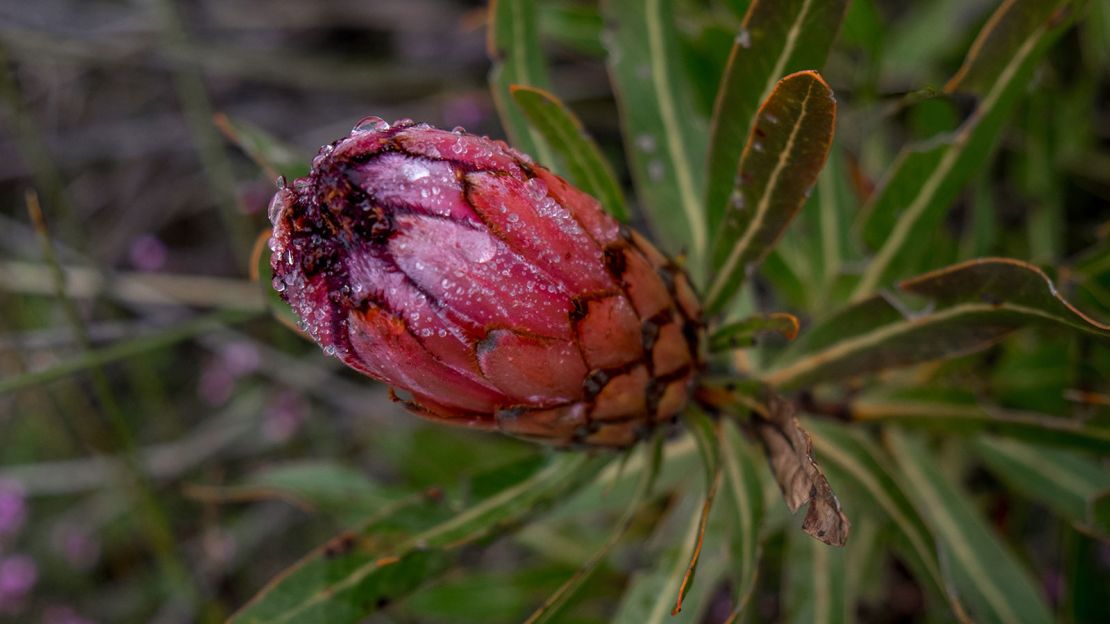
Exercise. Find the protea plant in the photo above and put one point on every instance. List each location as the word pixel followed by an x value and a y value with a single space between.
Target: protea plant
pixel 494 293
pixel 513 289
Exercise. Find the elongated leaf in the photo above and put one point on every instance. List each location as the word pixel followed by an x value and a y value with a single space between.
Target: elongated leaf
pixel 706 437
pixel 664 138
pixel 743 492
pixel 777 38
pixel 650 595
pixel 323 487
pixel 926 178
pixel 356 574
pixel 513 44
pixel 564 133
pixel 1072 485
pixel 552 607
pixel 784 154
pixel 855 459
pixel 789 452
pixel 268 152
pixel 984 570
pixel 743 333
pixel 124 349
pixel 815 584
pixel 975 303
pixel 965 415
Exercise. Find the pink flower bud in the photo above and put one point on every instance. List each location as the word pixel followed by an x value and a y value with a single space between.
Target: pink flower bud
pixel 490 290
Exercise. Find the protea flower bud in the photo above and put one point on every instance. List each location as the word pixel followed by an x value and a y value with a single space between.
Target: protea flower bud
pixel 491 291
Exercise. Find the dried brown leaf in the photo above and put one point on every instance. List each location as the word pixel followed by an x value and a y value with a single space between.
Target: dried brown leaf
pixel 790 454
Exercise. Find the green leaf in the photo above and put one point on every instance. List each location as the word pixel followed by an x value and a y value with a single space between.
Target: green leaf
pixel 574 25
pixel 705 434
pixel 974 304
pixel 125 349
pixel 743 333
pixel 744 494
pixel 649 598
pixel 356 574
pixel 980 565
pixel 855 459
pixel 587 168
pixel 951 414
pixel 1072 485
pixel 814 586
pixel 325 487
pixel 553 606
pixel 271 155
pixel 663 136
pixel 927 177
pixel 513 45
pixel 783 156
pixel 777 38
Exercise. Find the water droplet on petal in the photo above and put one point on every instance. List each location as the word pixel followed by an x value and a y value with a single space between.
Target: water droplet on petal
pixel 370 124
pixel 536 188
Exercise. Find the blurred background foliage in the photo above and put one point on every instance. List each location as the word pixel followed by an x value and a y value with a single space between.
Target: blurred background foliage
pixel 166 448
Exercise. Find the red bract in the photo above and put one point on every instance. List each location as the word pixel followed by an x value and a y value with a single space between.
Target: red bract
pixel 493 292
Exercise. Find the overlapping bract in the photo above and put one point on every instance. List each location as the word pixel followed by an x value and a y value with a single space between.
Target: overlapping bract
pixel 498 296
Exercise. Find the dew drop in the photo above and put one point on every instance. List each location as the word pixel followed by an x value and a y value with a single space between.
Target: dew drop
pixel 646 143
pixel 536 188
pixel 414 171
pixel 744 38
pixel 656 169
pixel 370 124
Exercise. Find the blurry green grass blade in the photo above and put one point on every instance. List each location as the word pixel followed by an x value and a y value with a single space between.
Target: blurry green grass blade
pixel 271 155
pixel 834 205
pixel 855 459
pixel 329 488
pixel 586 166
pixel 981 234
pixel 479 597
pixel 577 26
pixel 743 333
pixel 777 38
pixel 706 435
pixel 974 304
pixel 926 179
pixel 354 575
pixel 553 606
pixel 650 595
pixel 784 154
pixel 743 504
pixel 814 586
pixel 1071 485
pixel 980 565
pixel 949 415
pixel 513 45
pixel 125 349
pixel 664 138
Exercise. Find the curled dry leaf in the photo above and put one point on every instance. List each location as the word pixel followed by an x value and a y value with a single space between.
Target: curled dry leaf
pixel 790 453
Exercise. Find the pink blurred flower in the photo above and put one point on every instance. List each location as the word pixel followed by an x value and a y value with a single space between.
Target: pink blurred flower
pixel 76 545
pixel 235 360
pixel 284 417
pixel 148 253
pixel 18 575
pixel 13 508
